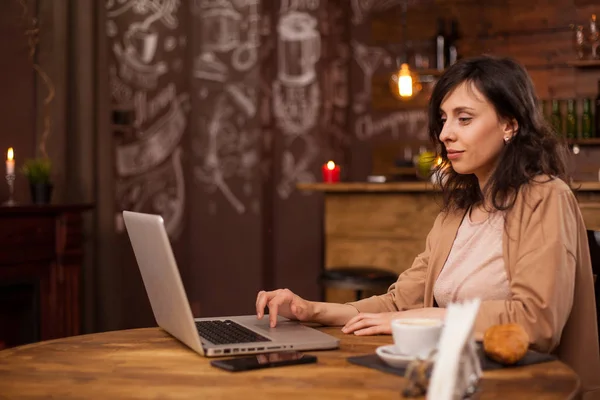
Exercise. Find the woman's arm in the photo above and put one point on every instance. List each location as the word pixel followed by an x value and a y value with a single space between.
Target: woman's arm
pixel 333 314
pixel 542 272
pixel 408 292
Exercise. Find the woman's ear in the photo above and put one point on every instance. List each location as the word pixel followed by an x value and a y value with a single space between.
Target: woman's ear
pixel 511 127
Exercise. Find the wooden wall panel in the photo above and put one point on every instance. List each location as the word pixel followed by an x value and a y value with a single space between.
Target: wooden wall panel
pixel 17 102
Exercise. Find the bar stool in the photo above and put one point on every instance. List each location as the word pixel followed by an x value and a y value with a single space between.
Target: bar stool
pixel 358 278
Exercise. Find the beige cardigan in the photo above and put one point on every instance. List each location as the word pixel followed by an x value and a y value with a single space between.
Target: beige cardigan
pixel 548 265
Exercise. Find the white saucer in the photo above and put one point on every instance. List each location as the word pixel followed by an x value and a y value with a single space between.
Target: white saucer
pixel 389 355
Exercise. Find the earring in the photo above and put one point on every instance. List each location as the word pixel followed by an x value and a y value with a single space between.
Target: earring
pixel 506 139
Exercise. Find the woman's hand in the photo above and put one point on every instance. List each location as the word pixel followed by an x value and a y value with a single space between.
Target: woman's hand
pixel 285 303
pixel 381 323
pixel 371 324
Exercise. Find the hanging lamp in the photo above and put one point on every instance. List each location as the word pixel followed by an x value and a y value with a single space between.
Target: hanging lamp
pixel 405 83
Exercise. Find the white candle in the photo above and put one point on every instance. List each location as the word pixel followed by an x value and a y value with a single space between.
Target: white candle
pixel 10 162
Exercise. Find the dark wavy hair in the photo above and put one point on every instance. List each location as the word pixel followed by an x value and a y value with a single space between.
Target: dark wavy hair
pixel 534 150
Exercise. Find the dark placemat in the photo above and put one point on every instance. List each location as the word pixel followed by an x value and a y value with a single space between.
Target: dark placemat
pixel 487 364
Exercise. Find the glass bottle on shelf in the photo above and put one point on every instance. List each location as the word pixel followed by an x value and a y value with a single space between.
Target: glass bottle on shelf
pixel 579 41
pixel 594 38
pixel 587 130
pixel 556 117
pixel 440 45
pixel 571 123
pixel 451 52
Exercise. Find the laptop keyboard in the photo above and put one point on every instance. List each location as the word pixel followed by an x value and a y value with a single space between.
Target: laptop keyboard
pixel 227 332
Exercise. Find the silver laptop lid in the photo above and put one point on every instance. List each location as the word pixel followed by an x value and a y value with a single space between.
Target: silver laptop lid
pixel 161 277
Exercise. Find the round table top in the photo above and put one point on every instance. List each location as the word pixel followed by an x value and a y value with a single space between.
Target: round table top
pixel 149 363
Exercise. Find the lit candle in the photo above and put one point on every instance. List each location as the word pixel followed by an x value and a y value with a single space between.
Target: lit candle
pixel 331 172
pixel 10 162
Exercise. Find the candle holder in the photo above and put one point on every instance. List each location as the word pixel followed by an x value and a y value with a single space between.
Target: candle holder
pixel 10 179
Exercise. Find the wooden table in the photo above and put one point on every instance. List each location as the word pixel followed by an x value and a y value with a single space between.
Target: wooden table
pixel 148 363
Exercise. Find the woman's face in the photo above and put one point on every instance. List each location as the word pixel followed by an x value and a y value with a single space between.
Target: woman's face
pixel 472 133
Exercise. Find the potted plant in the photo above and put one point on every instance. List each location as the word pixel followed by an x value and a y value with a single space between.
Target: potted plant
pixel 37 171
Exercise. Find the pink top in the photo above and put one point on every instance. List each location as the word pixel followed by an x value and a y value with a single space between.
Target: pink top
pixel 475 267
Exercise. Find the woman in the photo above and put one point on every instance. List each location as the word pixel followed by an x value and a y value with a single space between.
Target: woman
pixel 510 231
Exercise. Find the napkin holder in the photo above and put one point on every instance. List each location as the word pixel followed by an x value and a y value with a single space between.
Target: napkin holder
pixel 457 368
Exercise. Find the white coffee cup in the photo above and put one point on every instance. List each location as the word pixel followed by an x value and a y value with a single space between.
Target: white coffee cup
pixel 416 337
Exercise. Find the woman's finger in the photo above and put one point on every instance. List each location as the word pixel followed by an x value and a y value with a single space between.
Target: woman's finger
pixel 373 330
pixel 262 301
pixel 259 310
pixel 364 323
pixel 274 304
pixel 357 318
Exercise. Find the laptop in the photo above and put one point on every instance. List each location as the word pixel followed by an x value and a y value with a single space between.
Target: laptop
pixel 207 336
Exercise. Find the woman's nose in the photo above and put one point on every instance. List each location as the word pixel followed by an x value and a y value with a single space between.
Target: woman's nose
pixel 446 134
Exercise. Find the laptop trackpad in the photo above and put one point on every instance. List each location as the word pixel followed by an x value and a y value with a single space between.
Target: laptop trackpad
pixel 285 328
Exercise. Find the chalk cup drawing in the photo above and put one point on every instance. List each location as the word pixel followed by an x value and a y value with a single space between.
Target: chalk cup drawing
pixel 139 45
pixel 299 48
pixel 296 95
pixel 220 29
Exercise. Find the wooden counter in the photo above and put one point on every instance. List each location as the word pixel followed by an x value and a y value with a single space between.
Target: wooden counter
pixel 403 187
pixel 385 224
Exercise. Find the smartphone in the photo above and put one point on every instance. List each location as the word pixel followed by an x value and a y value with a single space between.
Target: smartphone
pixel 265 360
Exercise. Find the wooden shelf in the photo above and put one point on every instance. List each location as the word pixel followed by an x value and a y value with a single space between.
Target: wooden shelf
pixel 584 63
pixel 585 142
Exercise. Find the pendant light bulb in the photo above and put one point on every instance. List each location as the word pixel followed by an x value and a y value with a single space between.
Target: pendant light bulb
pixel 405 81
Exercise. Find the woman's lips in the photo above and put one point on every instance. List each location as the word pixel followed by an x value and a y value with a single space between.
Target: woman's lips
pixel 454 154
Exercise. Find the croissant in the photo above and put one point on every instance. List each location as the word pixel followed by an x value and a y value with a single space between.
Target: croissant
pixel 506 343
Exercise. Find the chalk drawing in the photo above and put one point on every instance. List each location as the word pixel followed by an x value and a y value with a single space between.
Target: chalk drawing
pixel 170 43
pixel 160 191
pixel 111 29
pixel 398 124
pixel 245 56
pixel 299 48
pixel 136 53
pixel 368 58
pixel 296 109
pixel 227 153
pixel 297 170
pixel 296 5
pixel 148 164
pixel 157 142
pixel 208 66
pixel 159 10
pixel 220 29
pixel 244 97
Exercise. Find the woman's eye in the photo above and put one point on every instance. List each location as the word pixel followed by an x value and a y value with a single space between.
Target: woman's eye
pixel 442 121
pixel 465 120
